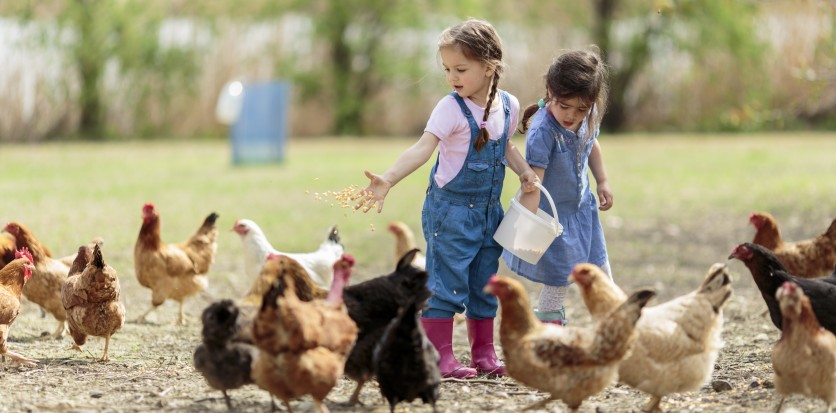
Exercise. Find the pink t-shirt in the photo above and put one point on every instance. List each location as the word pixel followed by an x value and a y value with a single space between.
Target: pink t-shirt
pixel 448 124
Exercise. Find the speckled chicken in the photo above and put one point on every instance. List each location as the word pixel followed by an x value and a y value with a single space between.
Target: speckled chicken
pixel 804 358
pixel 678 341
pixel 275 268
pixel 44 289
pixel 173 271
pixel 303 345
pixel 570 363
pixel 223 360
pixel 13 276
pixel 91 299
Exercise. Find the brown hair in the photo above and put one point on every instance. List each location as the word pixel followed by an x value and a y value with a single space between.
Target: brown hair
pixel 477 40
pixel 576 74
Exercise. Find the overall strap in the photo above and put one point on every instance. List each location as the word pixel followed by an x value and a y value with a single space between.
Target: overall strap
pixel 506 105
pixel 467 114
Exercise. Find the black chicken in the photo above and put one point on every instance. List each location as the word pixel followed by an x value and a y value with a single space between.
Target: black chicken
pixel 372 304
pixel 224 361
pixel 405 361
pixel 769 275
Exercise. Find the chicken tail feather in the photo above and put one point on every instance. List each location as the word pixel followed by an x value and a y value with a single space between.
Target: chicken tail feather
pixel 334 235
pixel 717 285
pixel 98 260
pixel 210 220
pixel 831 231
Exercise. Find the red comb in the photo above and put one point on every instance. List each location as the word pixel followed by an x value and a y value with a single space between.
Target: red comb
pixel 24 252
pixel 147 207
pixel 348 259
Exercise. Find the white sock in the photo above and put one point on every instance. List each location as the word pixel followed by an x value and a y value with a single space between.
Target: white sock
pixel 551 298
pixel 607 269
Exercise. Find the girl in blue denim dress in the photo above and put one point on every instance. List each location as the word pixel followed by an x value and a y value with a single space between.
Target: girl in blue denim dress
pixel 561 147
pixel 462 208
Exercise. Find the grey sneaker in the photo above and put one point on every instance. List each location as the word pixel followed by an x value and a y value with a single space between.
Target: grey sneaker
pixel 552 317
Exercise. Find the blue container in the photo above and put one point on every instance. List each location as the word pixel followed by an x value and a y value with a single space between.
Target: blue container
pixel 260 132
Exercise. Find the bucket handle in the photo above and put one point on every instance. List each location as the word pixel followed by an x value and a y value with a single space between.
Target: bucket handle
pixel 551 203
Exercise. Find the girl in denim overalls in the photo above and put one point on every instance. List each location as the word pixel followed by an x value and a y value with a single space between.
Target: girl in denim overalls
pixel 462 209
pixel 561 144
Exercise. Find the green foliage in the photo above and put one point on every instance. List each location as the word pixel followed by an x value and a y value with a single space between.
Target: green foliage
pixel 98 34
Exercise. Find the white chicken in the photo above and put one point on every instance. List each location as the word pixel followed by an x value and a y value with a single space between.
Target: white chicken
pixel 319 264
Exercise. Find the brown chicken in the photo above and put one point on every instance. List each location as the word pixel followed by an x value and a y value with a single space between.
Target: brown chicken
pixel 173 271
pixel 44 289
pixel 7 248
pixel 13 277
pixel 275 267
pixel 569 363
pixel 405 242
pixel 303 344
pixel 804 359
pixel 809 258
pixel 91 298
pixel 679 340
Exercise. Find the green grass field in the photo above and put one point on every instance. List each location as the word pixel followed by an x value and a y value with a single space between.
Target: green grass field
pixel 685 187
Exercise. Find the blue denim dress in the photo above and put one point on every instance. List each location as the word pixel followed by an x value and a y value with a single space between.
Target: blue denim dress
pixel 458 221
pixel 564 156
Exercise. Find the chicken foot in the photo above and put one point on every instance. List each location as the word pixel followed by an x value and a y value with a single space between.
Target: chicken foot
pixel 20 359
pixel 141 319
pixel 653 405
pixel 541 404
pixel 320 406
pixel 58 333
pixel 355 397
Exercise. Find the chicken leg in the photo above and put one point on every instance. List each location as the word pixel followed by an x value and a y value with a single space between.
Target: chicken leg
pixel 355 397
pixel 182 319
pixel 320 406
pixel 653 405
pixel 541 404
pixel 59 332
pixel 20 359
pixel 106 357
pixel 141 319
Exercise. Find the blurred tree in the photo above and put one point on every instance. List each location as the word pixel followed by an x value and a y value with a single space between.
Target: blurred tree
pixel 125 35
pixel 363 53
pixel 702 29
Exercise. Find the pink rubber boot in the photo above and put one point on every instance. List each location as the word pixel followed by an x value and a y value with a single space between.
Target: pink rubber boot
pixel 482 353
pixel 440 333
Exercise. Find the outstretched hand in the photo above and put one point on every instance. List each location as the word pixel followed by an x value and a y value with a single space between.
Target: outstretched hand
pixel 373 194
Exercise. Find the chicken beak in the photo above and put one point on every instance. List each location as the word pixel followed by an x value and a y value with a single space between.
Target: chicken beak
pixel 571 278
pixel 488 289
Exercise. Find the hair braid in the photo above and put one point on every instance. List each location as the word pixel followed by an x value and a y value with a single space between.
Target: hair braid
pixel 526 117
pixel 483 136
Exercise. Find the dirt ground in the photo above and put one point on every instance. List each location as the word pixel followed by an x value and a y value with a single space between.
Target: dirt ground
pixel 151 364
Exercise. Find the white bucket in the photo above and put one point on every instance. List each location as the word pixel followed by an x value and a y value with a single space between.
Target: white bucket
pixel 525 234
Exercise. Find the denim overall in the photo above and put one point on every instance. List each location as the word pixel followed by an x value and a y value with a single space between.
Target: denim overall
pixel 459 221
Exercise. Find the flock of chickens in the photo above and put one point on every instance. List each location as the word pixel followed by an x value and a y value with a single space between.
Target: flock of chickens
pixel 303 324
